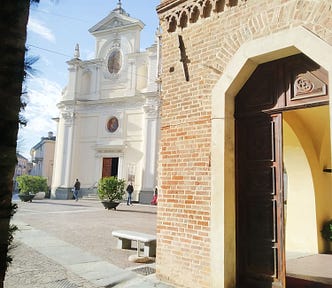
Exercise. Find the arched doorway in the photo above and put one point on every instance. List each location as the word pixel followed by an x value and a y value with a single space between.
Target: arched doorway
pixel 295 82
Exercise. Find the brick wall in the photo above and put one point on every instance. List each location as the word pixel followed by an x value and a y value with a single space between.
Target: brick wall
pixel 210 41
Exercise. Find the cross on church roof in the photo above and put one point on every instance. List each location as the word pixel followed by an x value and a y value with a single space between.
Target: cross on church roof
pixel 119 9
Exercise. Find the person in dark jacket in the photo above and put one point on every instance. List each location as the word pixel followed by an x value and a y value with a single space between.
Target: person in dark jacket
pixel 130 190
pixel 77 187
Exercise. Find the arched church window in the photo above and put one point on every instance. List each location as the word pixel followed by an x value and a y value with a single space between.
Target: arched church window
pixel 114 62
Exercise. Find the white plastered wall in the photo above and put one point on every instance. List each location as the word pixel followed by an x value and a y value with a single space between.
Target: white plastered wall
pixel 236 73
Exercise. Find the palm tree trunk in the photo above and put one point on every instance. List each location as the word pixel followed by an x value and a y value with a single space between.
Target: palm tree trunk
pixel 13 21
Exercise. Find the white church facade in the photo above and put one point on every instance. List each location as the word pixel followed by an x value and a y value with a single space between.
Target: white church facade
pixel 108 121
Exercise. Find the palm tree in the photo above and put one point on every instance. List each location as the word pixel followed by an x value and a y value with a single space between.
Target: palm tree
pixel 13 22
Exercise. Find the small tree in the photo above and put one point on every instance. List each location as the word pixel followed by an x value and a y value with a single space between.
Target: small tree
pixel 31 184
pixel 111 188
pixel 327 230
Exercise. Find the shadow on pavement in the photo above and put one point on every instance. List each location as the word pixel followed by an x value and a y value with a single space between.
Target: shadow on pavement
pixel 53 202
pixel 135 211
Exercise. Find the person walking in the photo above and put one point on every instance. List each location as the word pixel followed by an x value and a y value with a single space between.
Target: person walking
pixel 130 190
pixel 155 197
pixel 77 187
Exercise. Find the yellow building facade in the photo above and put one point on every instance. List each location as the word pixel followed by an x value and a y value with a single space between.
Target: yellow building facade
pixel 245 160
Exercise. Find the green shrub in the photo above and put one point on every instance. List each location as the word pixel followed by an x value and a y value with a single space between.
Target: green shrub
pixel 327 230
pixel 31 184
pixel 111 188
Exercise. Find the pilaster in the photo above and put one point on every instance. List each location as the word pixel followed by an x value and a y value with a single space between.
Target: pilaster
pixel 151 136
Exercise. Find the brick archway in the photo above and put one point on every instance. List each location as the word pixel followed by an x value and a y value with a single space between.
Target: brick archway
pixel 236 73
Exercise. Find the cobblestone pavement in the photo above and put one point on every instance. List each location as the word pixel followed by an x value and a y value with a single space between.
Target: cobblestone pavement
pixel 32 269
pixel 84 225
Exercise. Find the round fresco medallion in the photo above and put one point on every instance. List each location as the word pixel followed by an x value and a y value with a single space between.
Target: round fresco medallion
pixel 112 124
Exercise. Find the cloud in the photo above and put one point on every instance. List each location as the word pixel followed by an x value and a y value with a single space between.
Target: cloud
pixel 42 97
pixel 39 28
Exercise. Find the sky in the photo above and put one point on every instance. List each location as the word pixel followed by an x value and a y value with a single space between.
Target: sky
pixel 54 28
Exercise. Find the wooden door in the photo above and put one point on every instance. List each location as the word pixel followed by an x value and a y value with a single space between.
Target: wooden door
pixel 290 83
pixel 110 167
pixel 260 252
pixel 259 211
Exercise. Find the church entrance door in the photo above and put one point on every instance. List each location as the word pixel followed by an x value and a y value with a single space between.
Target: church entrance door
pixel 274 87
pixel 110 167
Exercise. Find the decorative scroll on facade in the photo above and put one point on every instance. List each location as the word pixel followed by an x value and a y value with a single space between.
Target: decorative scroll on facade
pixel 192 11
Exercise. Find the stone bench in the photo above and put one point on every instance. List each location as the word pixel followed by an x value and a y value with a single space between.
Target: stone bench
pixel 39 196
pixel 125 238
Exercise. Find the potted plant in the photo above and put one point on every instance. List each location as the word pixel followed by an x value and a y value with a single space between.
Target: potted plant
pixel 327 233
pixel 111 191
pixel 29 185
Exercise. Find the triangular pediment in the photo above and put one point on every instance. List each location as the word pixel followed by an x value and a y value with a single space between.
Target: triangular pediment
pixel 116 21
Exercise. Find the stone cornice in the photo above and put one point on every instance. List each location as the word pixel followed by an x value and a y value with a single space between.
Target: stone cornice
pixel 118 100
pixel 182 13
pixel 167 5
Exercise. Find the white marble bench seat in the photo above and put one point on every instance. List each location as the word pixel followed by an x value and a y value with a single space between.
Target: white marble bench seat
pixel 125 237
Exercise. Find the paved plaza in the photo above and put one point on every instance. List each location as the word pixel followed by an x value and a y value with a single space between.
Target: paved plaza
pixel 68 244
pixel 63 243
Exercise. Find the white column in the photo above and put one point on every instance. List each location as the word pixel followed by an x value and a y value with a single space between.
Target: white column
pixel 62 175
pixel 96 80
pixel 73 75
pixel 68 150
pixel 57 159
pixel 151 136
pixel 132 75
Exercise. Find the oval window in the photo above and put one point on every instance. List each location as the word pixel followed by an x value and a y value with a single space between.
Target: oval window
pixel 114 62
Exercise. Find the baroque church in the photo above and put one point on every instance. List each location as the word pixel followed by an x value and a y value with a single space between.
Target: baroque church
pixel 109 112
